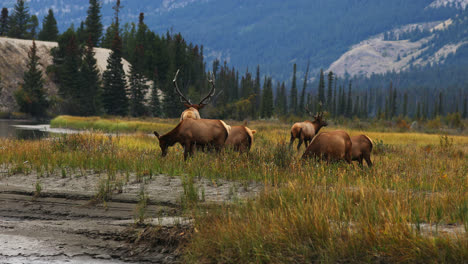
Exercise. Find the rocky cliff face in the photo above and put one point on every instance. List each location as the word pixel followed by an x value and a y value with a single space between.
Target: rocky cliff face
pixel 13 61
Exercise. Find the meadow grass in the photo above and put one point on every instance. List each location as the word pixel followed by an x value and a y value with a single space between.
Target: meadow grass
pixel 401 210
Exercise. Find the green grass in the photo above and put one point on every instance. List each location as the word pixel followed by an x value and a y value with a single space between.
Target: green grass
pixel 308 211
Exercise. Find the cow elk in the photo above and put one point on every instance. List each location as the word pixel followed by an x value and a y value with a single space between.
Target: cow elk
pixel 330 146
pixel 305 131
pixel 240 138
pixel 192 109
pixel 361 149
pixel 191 132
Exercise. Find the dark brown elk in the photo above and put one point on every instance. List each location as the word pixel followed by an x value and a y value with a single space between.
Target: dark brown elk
pixel 330 146
pixel 361 149
pixel 305 131
pixel 240 138
pixel 192 110
pixel 191 132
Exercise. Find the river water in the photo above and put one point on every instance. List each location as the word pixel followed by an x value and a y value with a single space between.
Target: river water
pixel 21 129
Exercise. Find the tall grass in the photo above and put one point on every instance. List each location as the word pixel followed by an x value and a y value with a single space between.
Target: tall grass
pixel 401 210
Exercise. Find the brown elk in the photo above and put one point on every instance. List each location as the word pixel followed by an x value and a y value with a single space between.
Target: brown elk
pixel 240 138
pixel 305 131
pixel 361 149
pixel 191 132
pixel 192 109
pixel 330 146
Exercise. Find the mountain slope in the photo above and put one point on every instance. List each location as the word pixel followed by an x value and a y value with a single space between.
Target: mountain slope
pixel 13 65
pixel 272 33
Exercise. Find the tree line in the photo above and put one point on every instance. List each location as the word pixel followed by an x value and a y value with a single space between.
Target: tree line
pixel 147 90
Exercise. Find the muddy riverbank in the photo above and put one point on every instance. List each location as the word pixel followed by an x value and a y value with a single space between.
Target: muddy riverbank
pixel 62 225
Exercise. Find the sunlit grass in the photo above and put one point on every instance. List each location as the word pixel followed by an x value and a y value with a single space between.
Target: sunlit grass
pixel 401 210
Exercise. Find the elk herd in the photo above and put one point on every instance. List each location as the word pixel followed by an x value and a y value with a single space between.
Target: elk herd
pixel 193 132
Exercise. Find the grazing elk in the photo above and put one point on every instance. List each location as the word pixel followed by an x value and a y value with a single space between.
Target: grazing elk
pixel 330 146
pixel 192 109
pixel 191 132
pixel 305 131
pixel 240 138
pixel 361 149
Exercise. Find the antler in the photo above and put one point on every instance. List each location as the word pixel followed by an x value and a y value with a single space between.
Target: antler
pixel 212 91
pixel 182 97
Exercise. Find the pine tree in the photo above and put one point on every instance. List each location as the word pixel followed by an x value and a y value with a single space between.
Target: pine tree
pixel 138 86
pixel 257 93
pixel 155 103
pixel 440 104
pixel 93 21
pixel 31 98
pixel 49 30
pixel 330 92
pixel 293 96
pixel 405 104
pixel 114 95
pixel 465 108
pixel 267 99
pixel 91 86
pixel 303 93
pixel 349 104
pixel 32 27
pixel 18 22
pixel 4 27
pixel 418 111
pixel 70 78
pixel 321 88
pixel 284 98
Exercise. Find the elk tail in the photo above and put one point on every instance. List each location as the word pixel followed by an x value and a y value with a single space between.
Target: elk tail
pixel 227 127
pixel 370 141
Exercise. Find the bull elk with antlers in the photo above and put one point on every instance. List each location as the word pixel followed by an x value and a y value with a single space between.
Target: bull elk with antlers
pixel 330 146
pixel 192 109
pixel 305 131
pixel 191 132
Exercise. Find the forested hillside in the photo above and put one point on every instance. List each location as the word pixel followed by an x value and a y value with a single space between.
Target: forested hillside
pixel 272 33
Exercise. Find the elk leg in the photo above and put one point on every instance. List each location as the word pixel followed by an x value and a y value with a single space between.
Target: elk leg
pixel 360 161
pixel 368 161
pixel 291 141
pixel 299 145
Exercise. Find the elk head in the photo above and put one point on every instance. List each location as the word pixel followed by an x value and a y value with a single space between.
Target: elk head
pixel 318 118
pixel 187 103
pixel 163 144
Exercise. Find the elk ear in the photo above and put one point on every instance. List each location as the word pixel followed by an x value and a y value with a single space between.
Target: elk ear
pixel 187 105
pixel 254 131
pixel 156 134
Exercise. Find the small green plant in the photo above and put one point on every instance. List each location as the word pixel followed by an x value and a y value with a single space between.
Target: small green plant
pixel 190 195
pixel 445 142
pixel 38 189
pixel 141 207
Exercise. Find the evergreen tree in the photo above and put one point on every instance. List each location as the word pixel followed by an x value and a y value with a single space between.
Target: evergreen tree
pixel 349 104
pixel 70 78
pixel 330 92
pixel 267 99
pixel 321 88
pixel 93 22
pixel 257 93
pixel 31 98
pixel 293 96
pixel 418 111
pixel 303 93
pixel 32 26
pixel 440 104
pixel 465 108
pixel 49 30
pixel 405 104
pixel 284 99
pixel 18 22
pixel 91 86
pixel 4 22
pixel 114 96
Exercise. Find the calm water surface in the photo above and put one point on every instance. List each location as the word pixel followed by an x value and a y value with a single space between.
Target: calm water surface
pixel 8 130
